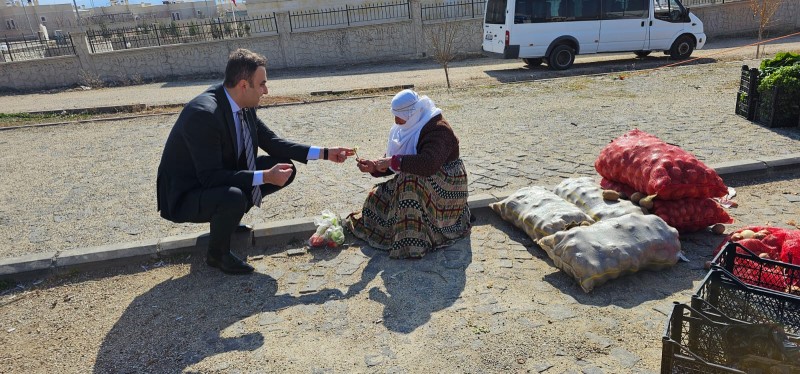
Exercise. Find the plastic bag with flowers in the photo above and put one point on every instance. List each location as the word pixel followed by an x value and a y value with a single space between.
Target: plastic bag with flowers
pixel 329 231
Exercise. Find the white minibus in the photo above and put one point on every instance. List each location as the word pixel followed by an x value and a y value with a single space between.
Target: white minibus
pixel 554 31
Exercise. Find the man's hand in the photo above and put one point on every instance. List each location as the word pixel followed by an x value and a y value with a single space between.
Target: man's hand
pixel 278 174
pixel 339 154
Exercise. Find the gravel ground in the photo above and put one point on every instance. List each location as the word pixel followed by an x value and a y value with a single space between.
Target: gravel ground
pixel 491 303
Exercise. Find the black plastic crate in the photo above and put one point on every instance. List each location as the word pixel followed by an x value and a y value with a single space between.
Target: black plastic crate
pixel 743 302
pixel 747 97
pixel 745 265
pixel 698 341
pixel 777 108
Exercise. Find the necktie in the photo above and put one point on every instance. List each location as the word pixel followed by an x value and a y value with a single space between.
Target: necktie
pixel 251 159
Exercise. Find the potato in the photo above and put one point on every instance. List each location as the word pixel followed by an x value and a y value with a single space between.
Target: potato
pixel 647 202
pixel 747 234
pixel 718 229
pixel 736 237
pixel 636 196
pixel 707 265
pixel 759 235
pixel 586 223
pixel 610 195
pixel 764 255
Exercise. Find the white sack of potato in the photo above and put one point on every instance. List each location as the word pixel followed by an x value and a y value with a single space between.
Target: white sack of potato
pixel 588 195
pixel 613 247
pixel 539 212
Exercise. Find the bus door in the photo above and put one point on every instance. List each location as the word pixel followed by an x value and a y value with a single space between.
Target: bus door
pixel 494 26
pixel 668 22
pixel 624 26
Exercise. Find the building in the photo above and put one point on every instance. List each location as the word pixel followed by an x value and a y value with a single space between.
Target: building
pixel 22 19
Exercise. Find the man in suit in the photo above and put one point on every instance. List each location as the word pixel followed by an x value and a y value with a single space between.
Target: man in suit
pixel 209 171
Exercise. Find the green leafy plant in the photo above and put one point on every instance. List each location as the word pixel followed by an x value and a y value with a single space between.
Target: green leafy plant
pixel 781 59
pixel 780 95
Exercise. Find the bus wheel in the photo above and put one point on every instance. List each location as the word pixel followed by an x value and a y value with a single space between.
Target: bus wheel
pixel 561 57
pixel 531 62
pixel 642 54
pixel 682 48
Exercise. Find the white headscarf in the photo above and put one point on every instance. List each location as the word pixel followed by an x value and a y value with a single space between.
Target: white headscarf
pixel 416 111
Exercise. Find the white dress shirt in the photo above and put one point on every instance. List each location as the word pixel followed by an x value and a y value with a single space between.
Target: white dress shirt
pixel 258 175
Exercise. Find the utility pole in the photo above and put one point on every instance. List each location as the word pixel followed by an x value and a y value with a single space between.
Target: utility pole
pixel 26 16
pixel 77 15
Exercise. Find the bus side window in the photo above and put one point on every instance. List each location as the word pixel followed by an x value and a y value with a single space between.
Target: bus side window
pixel 611 9
pixel 670 11
pixel 637 9
pixel 541 10
pixel 522 11
pixel 590 10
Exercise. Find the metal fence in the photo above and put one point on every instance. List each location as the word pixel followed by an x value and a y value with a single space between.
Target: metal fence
pixel 350 14
pixel 690 3
pixel 33 48
pixel 453 9
pixel 157 34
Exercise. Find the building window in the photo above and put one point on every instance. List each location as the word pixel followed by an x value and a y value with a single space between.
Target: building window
pixel 176 16
pixel 10 24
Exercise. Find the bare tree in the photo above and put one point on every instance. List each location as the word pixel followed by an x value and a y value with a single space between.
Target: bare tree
pixel 442 39
pixel 763 10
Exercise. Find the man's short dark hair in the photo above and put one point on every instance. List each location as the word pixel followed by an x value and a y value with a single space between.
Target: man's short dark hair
pixel 242 63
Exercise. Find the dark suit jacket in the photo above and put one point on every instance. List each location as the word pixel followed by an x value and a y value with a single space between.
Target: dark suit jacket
pixel 200 152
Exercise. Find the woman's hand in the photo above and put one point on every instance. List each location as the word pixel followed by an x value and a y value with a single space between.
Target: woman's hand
pixel 382 164
pixel 366 166
pixel 374 166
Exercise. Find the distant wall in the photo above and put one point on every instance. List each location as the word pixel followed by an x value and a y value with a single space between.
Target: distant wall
pixel 381 41
pixel 736 19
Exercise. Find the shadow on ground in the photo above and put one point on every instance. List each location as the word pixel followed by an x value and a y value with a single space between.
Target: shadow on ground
pixel 179 322
pixel 414 289
pixel 534 73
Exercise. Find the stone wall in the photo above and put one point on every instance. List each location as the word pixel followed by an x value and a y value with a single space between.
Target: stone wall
pixel 376 42
pixel 736 19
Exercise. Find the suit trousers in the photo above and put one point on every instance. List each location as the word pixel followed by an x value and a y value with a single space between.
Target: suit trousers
pixel 223 206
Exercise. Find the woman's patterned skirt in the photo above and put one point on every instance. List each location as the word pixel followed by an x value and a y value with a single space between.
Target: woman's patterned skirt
pixel 410 215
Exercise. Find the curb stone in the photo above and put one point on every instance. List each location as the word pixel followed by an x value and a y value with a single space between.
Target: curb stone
pixel 281 232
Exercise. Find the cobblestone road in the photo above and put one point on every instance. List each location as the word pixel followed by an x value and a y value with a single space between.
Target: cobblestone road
pixel 94 183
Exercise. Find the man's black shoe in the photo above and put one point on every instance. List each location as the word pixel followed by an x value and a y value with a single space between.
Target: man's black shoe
pixel 229 264
pixel 244 228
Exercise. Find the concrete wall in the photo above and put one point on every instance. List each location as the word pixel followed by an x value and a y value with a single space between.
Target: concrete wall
pixel 736 19
pixel 377 42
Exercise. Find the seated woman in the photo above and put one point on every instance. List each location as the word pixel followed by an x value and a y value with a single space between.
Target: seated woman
pixel 424 206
